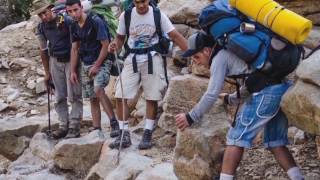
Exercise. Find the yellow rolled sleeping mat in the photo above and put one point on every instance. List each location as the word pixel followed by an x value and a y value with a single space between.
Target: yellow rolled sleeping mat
pixel 269 13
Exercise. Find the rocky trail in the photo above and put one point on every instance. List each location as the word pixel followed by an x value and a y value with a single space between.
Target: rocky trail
pixel 195 154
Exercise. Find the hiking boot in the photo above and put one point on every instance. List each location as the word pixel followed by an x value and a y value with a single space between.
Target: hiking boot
pixel 60 133
pixel 73 133
pixel 115 130
pixel 126 141
pixel 146 140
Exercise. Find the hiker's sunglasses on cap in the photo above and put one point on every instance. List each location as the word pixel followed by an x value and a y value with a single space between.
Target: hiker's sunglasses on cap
pixel 140 1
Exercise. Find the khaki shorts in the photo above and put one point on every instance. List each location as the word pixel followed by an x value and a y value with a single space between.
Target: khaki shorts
pixel 100 80
pixel 153 85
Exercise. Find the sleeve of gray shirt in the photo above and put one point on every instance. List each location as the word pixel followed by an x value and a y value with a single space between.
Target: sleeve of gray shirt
pixel 218 72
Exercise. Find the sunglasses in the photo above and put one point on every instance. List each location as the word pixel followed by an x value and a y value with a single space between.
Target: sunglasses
pixel 141 1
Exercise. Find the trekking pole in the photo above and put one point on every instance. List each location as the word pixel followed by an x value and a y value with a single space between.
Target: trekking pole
pixel 49 120
pixel 123 106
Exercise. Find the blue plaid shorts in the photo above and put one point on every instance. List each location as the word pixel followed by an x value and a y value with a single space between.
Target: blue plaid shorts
pixel 261 111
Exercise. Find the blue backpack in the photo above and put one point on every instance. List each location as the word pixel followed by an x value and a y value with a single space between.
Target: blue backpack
pixel 223 23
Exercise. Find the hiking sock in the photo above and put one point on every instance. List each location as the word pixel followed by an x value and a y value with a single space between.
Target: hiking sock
pixel 224 176
pixel 125 125
pixel 149 124
pixel 294 173
pixel 121 124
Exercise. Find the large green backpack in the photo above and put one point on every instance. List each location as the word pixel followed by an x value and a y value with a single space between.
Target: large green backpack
pixel 108 15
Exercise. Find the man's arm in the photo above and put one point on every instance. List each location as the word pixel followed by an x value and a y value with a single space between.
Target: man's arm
pixel 117 44
pixel 45 61
pixel 179 39
pixel 218 73
pixel 43 51
pixel 74 56
pixel 103 53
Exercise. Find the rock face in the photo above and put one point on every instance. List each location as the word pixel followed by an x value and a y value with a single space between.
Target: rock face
pixel 301 103
pixel 183 11
pixel 199 149
pixel 183 93
pixel 78 153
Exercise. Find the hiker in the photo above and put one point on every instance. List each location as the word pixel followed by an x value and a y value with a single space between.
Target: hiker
pixel 55 58
pixel 143 65
pixel 260 110
pixel 90 40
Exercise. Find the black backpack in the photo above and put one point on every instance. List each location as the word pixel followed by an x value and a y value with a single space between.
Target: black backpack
pixel 161 47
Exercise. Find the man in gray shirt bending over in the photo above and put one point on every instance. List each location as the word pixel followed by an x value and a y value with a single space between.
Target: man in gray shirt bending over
pixel 261 110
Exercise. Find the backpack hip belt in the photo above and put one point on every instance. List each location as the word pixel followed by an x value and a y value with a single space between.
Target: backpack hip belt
pixel 141 51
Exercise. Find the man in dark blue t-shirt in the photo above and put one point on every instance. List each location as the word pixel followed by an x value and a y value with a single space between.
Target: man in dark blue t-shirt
pixel 53 33
pixel 91 38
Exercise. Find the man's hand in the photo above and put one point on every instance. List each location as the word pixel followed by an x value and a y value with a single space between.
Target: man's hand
pixel 94 70
pixel 224 98
pixel 112 47
pixel 74 78
pixel 181 121
pixel 47 77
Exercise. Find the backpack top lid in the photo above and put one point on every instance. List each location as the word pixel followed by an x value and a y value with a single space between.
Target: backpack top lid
pixel 219 19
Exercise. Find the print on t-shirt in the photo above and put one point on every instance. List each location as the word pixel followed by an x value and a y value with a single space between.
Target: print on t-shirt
pixel 142 35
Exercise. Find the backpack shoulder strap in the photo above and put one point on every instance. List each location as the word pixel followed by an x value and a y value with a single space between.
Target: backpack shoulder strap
pixel 157 20
pixel 127 20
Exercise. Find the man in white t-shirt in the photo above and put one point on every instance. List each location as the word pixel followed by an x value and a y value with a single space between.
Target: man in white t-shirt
pixel 144 66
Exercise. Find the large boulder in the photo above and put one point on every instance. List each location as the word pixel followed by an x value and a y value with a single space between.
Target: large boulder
pixel 301 103
pixel 314 38
pixel 199 149
pixel 200 70
pixel 16 132
pixel 79 154
pixel 182 94
pixel 162 171
pixel 4 164
pixel 26 164
pixel 41 146
pixel 309 70
pixel 183 11
pixel 131 163
pixel 306 8
pixel 11 146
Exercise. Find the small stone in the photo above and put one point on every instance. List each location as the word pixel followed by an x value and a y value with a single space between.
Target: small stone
pixel 40 86
pixel 3 106
pixel 3 80
pixel 22 114
pixel 40 72
pixel 34 112
pixel 185 70
pixel 31 84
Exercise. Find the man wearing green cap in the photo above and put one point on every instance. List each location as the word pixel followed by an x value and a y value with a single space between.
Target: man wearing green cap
pixel 53 33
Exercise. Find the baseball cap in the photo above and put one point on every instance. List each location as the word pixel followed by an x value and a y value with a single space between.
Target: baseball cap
pixel 198 41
